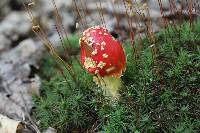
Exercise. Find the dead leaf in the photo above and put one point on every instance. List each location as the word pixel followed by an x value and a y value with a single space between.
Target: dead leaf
pixel 8 125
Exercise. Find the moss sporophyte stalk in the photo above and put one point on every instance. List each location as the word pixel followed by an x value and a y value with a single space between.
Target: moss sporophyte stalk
pixel 104 57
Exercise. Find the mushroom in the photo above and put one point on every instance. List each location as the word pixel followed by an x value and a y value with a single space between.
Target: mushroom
pixel 103 56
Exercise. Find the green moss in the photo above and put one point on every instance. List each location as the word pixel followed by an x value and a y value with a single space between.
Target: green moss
pixel 161 93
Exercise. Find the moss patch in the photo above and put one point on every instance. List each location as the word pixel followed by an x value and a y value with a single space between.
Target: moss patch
pixel 162 91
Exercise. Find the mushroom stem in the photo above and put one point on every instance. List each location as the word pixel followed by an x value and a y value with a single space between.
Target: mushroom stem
pixel 109 85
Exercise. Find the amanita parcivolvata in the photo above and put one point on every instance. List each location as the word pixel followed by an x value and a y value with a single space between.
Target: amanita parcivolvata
pixel 103 56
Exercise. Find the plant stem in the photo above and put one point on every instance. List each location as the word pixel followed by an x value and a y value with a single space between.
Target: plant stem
pixel 110 86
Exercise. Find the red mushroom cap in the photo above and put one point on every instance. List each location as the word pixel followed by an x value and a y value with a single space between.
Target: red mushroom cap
pixel 101 53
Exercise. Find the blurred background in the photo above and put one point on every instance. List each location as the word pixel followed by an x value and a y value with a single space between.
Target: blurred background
pixel 117 15
pixel 21 50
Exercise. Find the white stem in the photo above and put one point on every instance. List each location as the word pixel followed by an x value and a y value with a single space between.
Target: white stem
pixel 110 85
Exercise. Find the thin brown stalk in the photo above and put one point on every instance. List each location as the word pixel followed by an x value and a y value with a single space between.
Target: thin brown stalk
pixel 130 10
pixel 101 19
pixel 102 14
pixel 162 13
pixel 78 13
pixel 43 37
pixel 190 11
pixel 115 15
pixel 86 8
pixel 128 18
pixel 60 35
pixel 140 13
pixel 173 8
pixel 65 77
pixel 150 27
pixel 84 12
pixel 138 25
pixel 60 24
pixel 131 28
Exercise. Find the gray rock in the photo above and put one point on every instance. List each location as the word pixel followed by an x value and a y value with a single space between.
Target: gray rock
pixel 10 108
pixel 4 43
pixel 49 7
pixel 23 51
pixel 14 25
pixel 3 3
pixel 154 4
pixel 4 7
pixel 16 86
pixel 14 72
pixel 50 130
pixel 15 22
